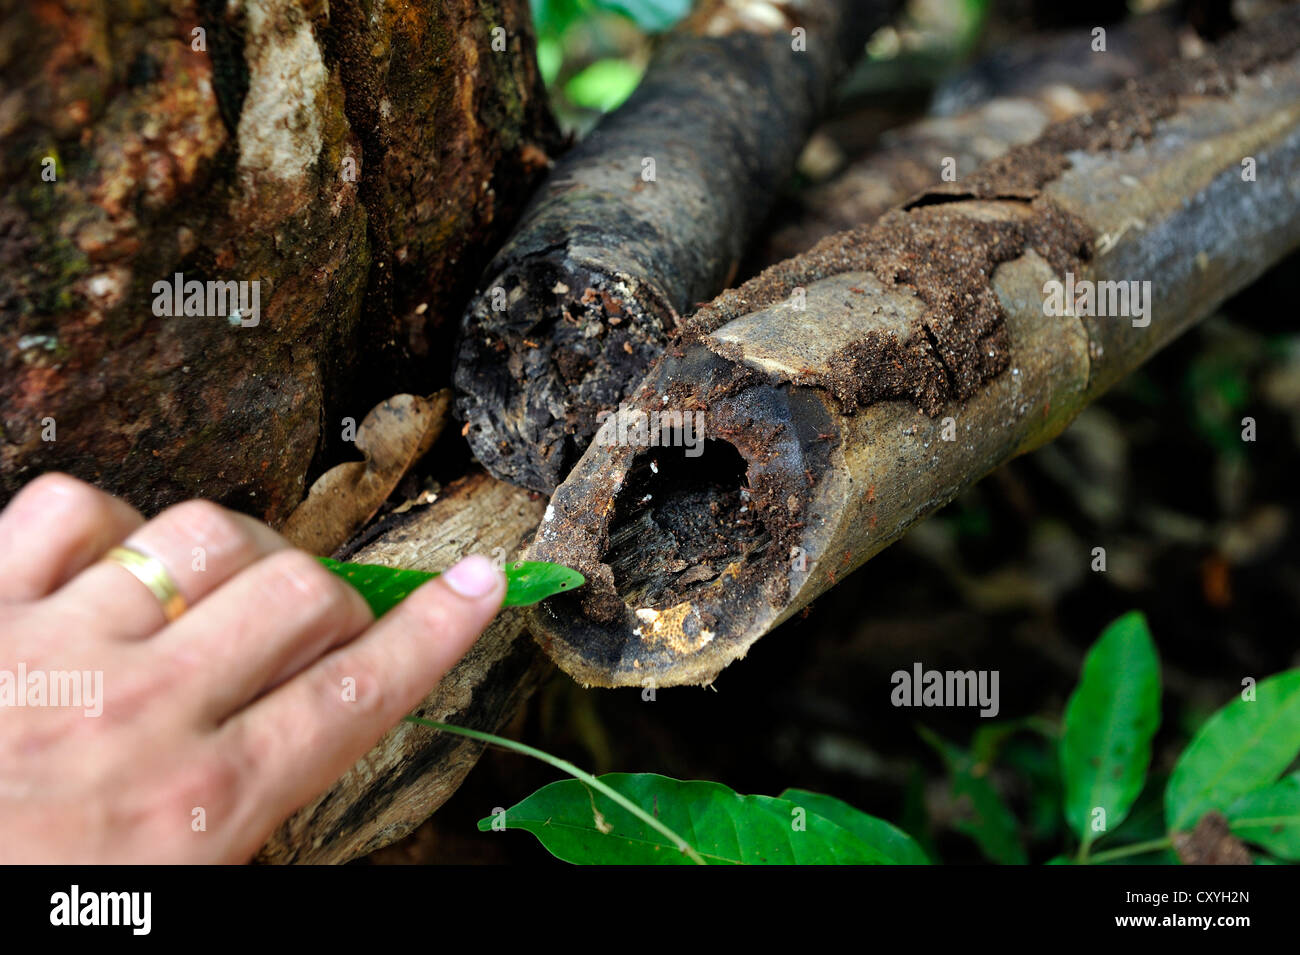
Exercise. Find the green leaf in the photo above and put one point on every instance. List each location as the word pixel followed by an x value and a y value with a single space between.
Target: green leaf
pixel 603 85
pixel 550 57
pixel 580 825
pixel 991 824
pixel 530 581
pixel 1244 746
pixel 1035 760
pixel 889 840
pixel 650 15
pixel 553 17
pixel 1110 720
pixel 1270 817
pixel 527 582
pixel 983 815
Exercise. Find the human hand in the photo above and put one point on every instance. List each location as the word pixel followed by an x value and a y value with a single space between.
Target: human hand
pixel 256 698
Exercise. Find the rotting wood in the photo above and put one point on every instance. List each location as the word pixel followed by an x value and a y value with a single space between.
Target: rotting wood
pixel 924 357
pixel 649 215
pixel 413 769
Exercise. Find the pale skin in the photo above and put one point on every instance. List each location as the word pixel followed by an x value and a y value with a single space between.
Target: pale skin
pixel 240 708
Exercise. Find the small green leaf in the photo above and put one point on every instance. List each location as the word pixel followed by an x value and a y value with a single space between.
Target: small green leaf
pixel 553 17
pixel 889 840
pixel 527 582
pixel 1243 747
pixel 550 57
pixel 603 85
pixel 650 15
pixel 1270 817
pixel 580 825
pixel 1110 720
pixel 982 814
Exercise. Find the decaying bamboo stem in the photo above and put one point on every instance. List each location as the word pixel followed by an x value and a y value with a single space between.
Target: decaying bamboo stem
pixel 413 770
pixel 1006 99
pixel 647 216
pixel 851 392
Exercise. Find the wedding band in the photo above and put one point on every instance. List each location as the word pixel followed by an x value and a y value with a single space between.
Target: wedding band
pixel 151 572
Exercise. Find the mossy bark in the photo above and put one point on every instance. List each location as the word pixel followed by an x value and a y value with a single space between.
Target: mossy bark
pixel 359 160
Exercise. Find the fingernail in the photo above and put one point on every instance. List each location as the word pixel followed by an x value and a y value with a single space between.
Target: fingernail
pixel 473 577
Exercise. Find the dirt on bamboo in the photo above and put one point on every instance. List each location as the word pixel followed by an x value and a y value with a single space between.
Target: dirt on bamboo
pixel 1005 99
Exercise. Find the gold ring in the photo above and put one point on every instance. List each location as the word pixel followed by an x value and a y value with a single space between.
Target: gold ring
pixel 151 572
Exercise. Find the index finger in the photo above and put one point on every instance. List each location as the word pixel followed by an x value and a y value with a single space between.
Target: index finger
pixel 302 736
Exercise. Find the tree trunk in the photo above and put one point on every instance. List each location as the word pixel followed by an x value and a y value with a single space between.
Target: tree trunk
pixel 352 161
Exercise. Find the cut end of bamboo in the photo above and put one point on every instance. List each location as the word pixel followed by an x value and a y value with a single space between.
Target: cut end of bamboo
pixel 686 535
pixel 551 342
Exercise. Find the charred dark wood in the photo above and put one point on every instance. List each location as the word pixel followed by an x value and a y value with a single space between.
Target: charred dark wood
pixel 649 215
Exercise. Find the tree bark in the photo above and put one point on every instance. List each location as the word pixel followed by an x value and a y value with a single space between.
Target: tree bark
pixel 355 159
pixel 855 390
